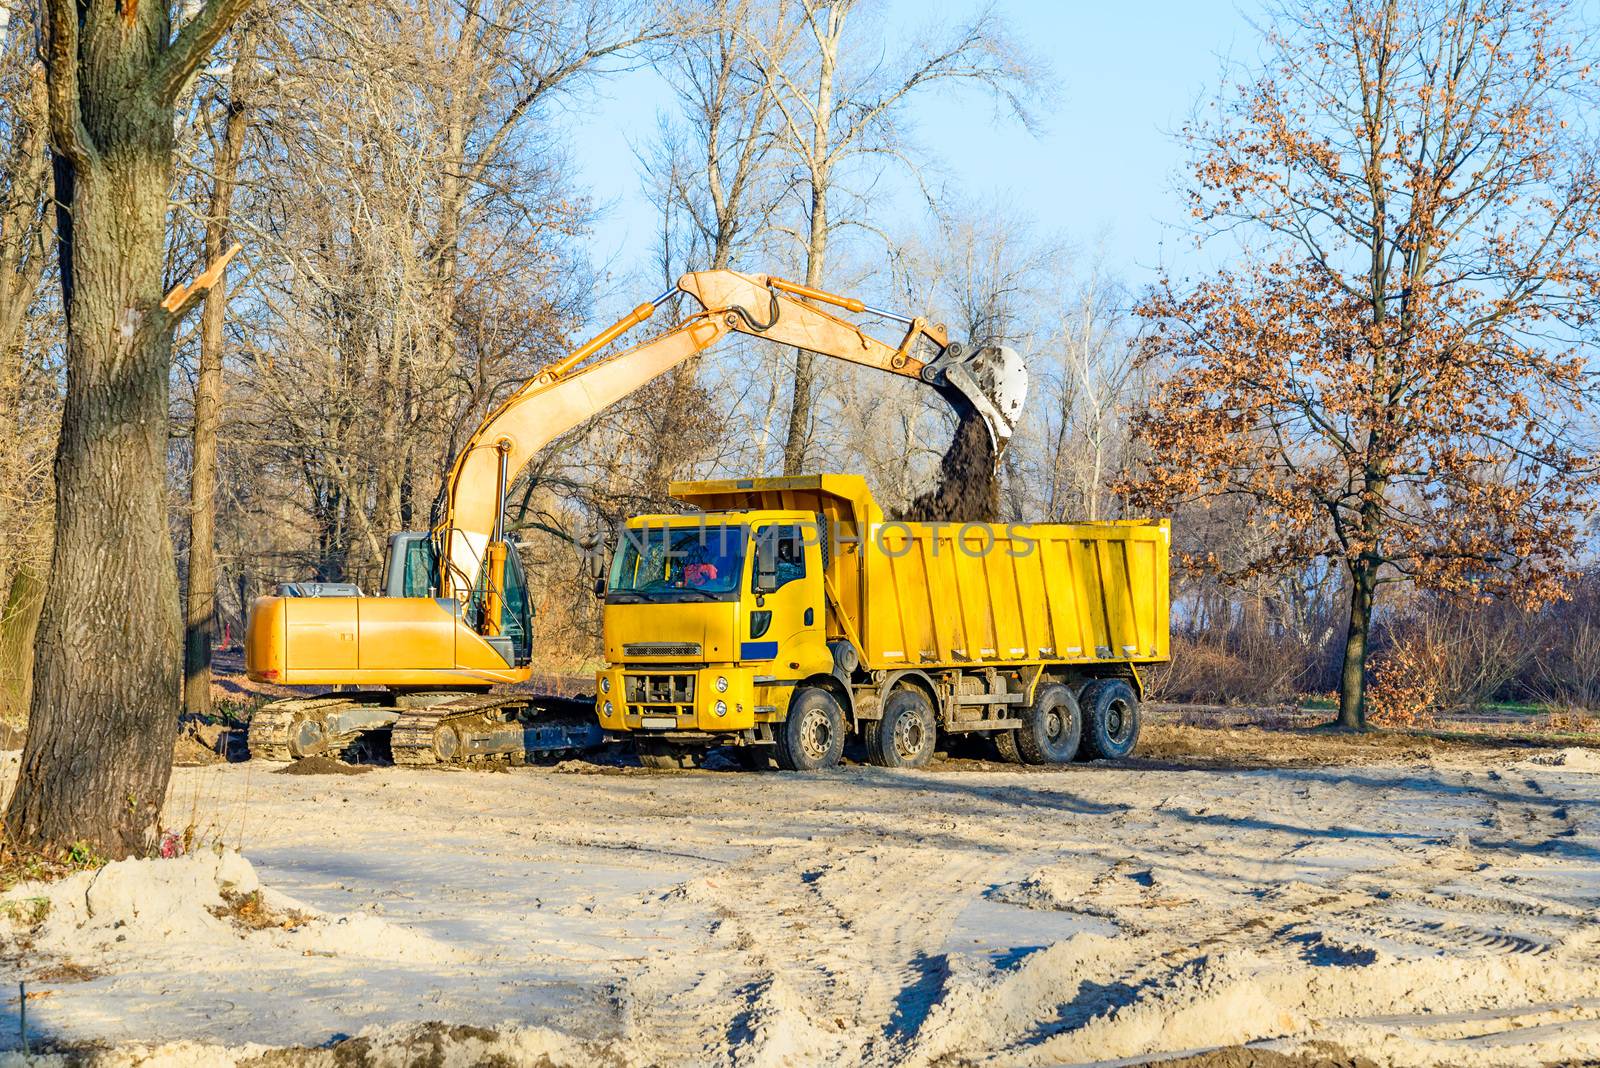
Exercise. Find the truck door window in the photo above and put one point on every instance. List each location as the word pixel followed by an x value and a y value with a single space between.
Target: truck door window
pixel 789 551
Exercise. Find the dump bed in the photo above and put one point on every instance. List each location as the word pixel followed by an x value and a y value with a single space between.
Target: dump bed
pixel 964 594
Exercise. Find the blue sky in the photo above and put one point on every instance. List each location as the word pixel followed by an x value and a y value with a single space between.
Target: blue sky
pixel 1101 168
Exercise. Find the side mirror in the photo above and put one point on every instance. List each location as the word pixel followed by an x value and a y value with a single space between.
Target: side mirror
pixel 766 578
pixel 600 588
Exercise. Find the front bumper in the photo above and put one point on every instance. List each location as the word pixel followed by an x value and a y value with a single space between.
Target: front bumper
pixel 671 697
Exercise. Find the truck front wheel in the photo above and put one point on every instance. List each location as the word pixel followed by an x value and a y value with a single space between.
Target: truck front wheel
pixel 812 735
pixel 1051 727
pixel 1110 720
pixel 905 736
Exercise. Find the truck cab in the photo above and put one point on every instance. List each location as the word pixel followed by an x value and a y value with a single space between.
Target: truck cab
pixel 711 621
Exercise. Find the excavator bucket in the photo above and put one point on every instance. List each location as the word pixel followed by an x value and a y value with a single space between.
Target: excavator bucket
pixel 992 381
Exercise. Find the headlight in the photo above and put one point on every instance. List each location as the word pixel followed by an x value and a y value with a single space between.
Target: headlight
pixel 722 684
pixel 720 708
pixel 605 683
pixel 608 709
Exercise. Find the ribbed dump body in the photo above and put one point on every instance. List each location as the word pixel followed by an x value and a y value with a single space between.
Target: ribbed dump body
pixel 964 594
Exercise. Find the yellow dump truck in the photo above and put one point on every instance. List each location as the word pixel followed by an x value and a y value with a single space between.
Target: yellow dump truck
pixel 789 613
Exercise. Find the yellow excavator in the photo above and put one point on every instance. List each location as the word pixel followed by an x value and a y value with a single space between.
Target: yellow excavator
pixel 415 666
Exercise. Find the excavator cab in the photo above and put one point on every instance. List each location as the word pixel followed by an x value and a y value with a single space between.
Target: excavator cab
pixel 412 570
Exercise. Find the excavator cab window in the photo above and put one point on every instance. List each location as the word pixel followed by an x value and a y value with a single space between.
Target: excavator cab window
pixel 516 616
pixel 422 571
pixel 412 568
pixel 516 620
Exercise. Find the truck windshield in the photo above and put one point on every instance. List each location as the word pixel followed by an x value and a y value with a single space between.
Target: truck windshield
pixel 677 564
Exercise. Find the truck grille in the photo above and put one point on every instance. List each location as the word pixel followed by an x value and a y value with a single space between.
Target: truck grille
pixel 661 649
pixel 660 692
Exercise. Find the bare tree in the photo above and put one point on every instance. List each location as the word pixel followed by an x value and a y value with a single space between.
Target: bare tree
pixel 25 394
pixel 839 102
pixel 200 608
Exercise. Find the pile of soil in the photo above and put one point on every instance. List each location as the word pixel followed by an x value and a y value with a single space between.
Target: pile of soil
pixel 198 743
pixel 967 491
pixel 1319 1055
pixel 322 764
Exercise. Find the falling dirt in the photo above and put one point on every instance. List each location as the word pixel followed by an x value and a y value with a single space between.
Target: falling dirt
pixel 323 765
pixel 968 491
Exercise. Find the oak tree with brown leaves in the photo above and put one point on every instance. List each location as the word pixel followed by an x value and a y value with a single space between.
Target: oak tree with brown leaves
pixel 1391 371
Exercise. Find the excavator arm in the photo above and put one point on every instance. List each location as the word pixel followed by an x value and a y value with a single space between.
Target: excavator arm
pixel 992 382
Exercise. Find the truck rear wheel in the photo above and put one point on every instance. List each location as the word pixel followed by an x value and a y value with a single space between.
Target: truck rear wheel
pixel 1110 720
pixel 812 735
pixel 906 735
pixel 1051 727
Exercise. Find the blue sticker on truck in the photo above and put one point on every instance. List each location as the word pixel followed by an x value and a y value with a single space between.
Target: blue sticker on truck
pixel 758 650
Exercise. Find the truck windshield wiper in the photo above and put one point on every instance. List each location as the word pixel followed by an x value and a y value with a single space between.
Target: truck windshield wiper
pixel 693 594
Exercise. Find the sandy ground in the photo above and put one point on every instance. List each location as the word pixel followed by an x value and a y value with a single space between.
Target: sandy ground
pixel 1383 902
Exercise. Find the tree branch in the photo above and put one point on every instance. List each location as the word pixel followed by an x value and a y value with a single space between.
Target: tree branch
pixel 67 130
pixel 184 55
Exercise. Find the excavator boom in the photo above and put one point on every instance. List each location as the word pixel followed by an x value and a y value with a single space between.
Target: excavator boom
pixel 991 381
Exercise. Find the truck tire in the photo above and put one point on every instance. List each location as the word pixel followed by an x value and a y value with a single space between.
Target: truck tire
pixel 812 735
pixel 906 735
pixel 1005 742
pixel 1110 720
pixel 667 757
pixel 1051 727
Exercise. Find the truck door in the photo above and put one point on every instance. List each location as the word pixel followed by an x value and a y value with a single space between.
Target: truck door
pixel 786 594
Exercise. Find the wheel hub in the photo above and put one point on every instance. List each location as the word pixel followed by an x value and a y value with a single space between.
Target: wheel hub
pixel 908 736
pixel 1116 720
pixel 815 735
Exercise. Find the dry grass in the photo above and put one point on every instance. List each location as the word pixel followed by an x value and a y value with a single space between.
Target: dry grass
pixel 65 971
pixel 251 912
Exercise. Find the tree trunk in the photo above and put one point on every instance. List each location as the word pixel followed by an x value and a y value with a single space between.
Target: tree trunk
pixel 805 363
pixel 19 619
pixel 108 664
pixel 1353 677
pixel 821 170
pixel 200 622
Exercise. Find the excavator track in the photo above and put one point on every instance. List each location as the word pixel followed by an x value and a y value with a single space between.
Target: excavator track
pixel 308 726
pixel 483 730
pixel 298 727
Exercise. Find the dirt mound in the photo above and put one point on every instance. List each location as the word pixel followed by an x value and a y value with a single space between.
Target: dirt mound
pixel 1569 759
pixel 1243 1057
pixel 197 745
pixel 322 764
pixel 967 491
